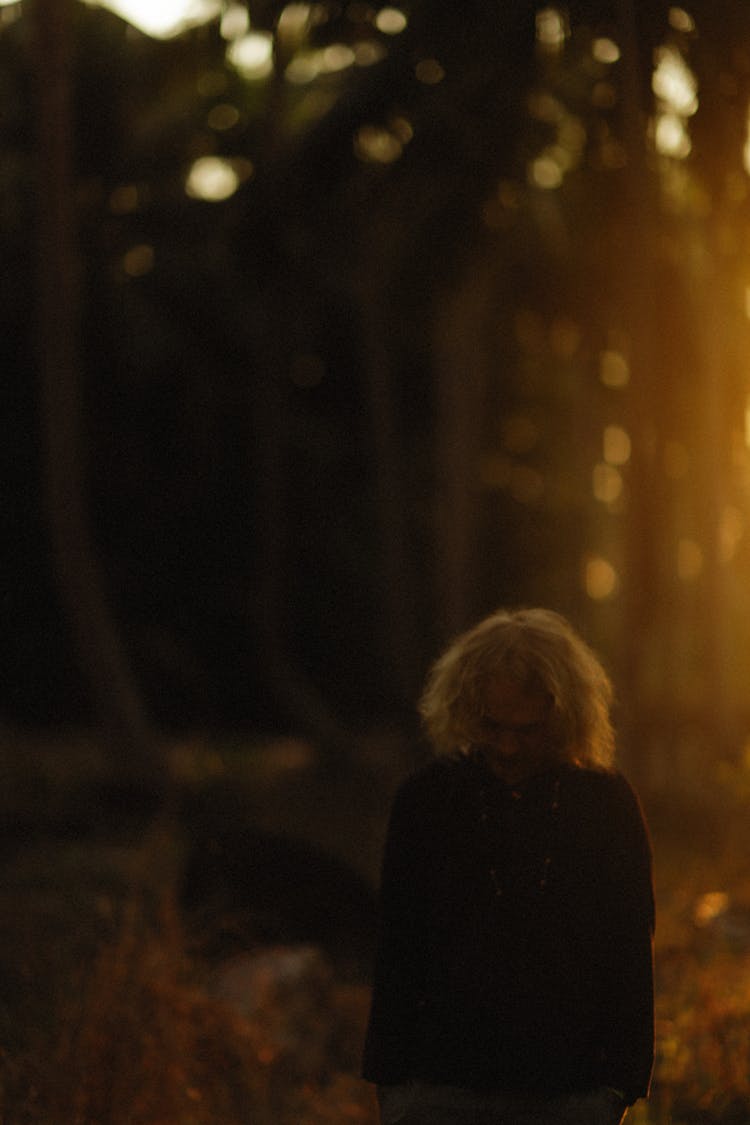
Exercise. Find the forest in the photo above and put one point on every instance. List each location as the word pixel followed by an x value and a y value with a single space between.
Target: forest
pixel 328 328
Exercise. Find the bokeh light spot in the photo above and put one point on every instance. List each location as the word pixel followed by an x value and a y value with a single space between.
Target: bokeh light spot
pixel 223 117
pixel 545 172
pixel 252 55
pixel 139 260
pixel 377 145
pixel 606 483
pixel 212 179
pixel 600 579
pixel 605 51
pixel 551 30
pixel 681 20
pixel 429 72
pixel 616 443
pixel 674 83
pixel 124 199
pixel 235 21
pixel 165 19
pixel 613 369
pixel 391 21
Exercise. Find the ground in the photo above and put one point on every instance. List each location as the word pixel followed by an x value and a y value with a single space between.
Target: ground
pixel 126 999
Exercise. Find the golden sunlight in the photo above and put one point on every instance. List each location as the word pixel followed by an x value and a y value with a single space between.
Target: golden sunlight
pixel 294 21
pixel 616 444
pixel 139 260
pixel 681 20
pixel 689 560
pixel 731 532
pixel 162 19
pixel 606 483
pixel 676 90
pixel 674 83
pixel 391 21
pixel 671 136
pixel 600 579
pixel 709 906
pixel 376 145
pixel 252 54
pixel 551 30
pixel 746 159
pixel 676 460
pixel 605 51
pixel 545 172
pixel 212 179
pixel 613 369
pixel 235 21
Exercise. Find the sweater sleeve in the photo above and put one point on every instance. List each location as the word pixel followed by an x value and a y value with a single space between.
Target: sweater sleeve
pixel 627 1032
pixel 398 985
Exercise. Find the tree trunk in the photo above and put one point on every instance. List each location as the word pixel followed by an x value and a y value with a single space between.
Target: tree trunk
pixel 78 572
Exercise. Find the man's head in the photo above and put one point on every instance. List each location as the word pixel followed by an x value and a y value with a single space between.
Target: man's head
pixel 521 680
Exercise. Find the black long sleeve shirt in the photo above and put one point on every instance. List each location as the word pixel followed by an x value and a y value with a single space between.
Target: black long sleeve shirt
pixel 516 934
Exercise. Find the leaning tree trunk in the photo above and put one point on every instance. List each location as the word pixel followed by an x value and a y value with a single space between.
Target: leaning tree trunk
pixel 81 586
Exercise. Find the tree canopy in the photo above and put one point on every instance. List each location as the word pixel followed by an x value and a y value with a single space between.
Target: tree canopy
pixel 387 316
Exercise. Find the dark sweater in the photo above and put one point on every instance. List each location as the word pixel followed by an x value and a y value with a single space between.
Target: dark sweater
pixel 516 934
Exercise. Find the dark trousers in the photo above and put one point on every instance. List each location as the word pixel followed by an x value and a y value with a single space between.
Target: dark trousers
pixel 421 1103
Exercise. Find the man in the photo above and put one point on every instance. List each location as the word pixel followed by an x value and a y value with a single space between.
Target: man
pixel 513 981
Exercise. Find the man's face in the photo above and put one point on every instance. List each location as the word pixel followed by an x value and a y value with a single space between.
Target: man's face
pixel 514 730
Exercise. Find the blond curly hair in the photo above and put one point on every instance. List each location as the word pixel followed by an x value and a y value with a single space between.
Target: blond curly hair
pixel 536 649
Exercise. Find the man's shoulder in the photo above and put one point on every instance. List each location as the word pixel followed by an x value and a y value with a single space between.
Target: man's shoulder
pixel 605 797
pixel 434 780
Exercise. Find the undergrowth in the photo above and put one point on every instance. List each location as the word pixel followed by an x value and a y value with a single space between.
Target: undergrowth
pixel 141 1035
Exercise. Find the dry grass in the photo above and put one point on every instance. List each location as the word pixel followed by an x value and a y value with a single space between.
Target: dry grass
pixel 107 1019
pixel 145 1043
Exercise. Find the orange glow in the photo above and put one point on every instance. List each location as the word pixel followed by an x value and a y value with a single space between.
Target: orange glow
pixel 731 532
pixel 746 149
pixel 545 172
pixel 710 906
pixel 139 260
pixel 616 443
pixel 689 560
pixel 676 460
pixel 600 579
pixel 606 483
pixel 613 369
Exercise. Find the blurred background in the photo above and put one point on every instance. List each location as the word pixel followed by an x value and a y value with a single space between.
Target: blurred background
pixel 328 328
